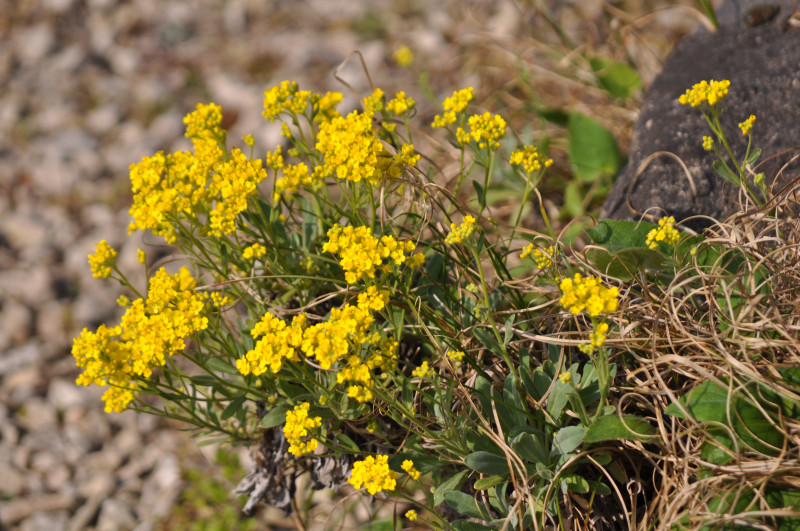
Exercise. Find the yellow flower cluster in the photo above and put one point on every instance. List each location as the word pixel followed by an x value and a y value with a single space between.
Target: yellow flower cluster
pixel 278 344
pixel 486 129
pixel 408 466
pixel 747 125
pixel 295 176
pixel 400 104
pixel 341 337
pixel 168 188
pixel 596 339
pixel 254 251
pixel 374 474
pixel 287 97
pixel 148 332
pixel 453 105
pixel 204 122
pixel 350 148
pixel 542 258
pixel 276 98
pixel 665 232
pixel 708 143
pixel 529 158
pixel 403 56
pixel 141 256
pixel 459 233
pixel 274 159
pixel 296 430
pixel 234 181
pixel 565 377
pixel 324 106
pixel 411 514
pixel 102 260
pixel 710 92
pixel 361 253
pixel 422 371
pixel 456 355
pixel 579 294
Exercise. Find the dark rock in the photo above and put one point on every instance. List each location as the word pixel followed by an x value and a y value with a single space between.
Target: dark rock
pixel 760 55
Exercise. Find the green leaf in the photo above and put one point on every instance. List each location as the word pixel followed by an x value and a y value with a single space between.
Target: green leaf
pixel 573 199
pixel 487 463
pixel 233 407
pixel 615 234
pixel 619 79
pixel 624 264
pixel 275 417
pixel 467 525
pixel 491 481
pixel 347 442
pixel 463 504
pixel 567 439
pixel 452 483
pixel 530 447
pixel 510 409
pixel 575 483
pixel 509 330
pixel 615 428
pixel 726 172
pixel 751 160
pixel 592 149
pixel 558 398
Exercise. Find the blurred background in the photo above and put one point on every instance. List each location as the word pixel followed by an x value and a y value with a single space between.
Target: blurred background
pixel 88 87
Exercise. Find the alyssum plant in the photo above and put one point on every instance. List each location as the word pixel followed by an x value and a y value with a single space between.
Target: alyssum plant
pixel 340 309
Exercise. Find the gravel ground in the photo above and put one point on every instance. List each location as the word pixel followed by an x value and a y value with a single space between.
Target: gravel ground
pixel 88 87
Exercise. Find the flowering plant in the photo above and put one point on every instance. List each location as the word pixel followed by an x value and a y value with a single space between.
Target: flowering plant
pixel 342 311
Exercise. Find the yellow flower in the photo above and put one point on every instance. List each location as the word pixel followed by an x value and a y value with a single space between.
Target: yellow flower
pixel 710 92
pixel 400 104
pixel 456 355
pixel 596 339
pixel 148 332
pixel 422 371
pixel 747 125
pixel 374 102
pixel 565 377
pixel 361 253
pixel 529 158
pixel 579 294
pixel 141 257
pixel 296 430
pixel 487 129
pixel 665 232
pixel 102 260
pixel 408 466
pixel 275 97
pixel 279 343
pixel 249 140
pixel 123 301
pixel 374 474
pixel 453 105
pixel 708 143
pixel 350 148
pixel 373 299
pixel 461 232
pixel 411 514
pixel 204 122
pixel 403 56
pixel 254 251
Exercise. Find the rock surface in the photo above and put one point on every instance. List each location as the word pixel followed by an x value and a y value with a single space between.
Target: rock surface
pixel 761 57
